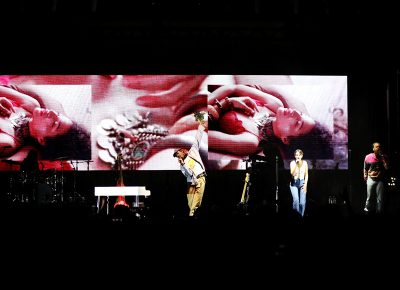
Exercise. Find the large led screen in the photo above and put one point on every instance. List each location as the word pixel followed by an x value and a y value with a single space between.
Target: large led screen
pixel 87 122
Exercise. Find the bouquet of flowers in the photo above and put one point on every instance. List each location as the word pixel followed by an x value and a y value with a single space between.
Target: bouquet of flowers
pixel 200 116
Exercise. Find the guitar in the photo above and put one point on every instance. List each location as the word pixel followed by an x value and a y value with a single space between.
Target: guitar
pixel 243 204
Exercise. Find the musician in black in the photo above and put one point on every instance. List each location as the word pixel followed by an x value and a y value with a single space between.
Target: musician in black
pixel 263 183
pixel 30 163
pixel 29 170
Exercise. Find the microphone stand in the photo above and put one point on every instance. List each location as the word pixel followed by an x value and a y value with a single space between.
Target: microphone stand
pixel 277 184
pixel 350 192
pixel 62 182
pixel 74 192
pixel 88 163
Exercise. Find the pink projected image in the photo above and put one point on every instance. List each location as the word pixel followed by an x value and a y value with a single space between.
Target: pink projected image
pixel 43 119
pixel 262 117
pixel 145 118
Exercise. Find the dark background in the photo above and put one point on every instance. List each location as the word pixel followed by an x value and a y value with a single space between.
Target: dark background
pixel 357 39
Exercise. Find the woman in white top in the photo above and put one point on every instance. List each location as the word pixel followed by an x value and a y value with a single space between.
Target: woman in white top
pixel 298 184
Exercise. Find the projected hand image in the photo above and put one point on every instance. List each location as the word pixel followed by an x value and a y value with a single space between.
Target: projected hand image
pixel 150 115
pixel 168 97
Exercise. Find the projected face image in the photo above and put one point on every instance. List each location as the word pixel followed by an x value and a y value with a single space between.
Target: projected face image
pixel 292 123
pixel 48 124
pixel 145 118
pixel 51 120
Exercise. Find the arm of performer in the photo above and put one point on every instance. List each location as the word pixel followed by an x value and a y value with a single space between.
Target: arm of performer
pixel 305 176
pixel 185 170
pixel 293 167
pixel 385 161
pixel 366 168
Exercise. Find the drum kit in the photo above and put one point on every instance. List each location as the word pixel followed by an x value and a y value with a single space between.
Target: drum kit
pixel 43 186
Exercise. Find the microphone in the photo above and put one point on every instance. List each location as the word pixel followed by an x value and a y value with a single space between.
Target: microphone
pixel 380 154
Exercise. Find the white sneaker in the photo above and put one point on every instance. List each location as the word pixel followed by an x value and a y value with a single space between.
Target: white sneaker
pixel 365 209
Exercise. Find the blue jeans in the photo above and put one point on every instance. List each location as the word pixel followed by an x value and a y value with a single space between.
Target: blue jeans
pixel 299 195
pixel 375 188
